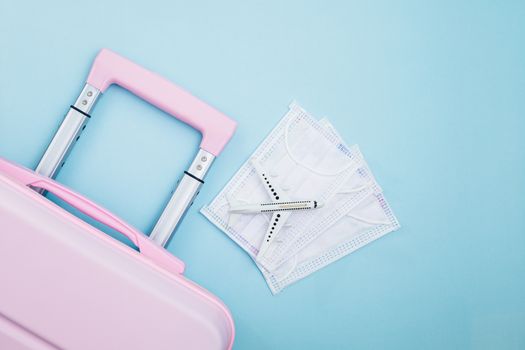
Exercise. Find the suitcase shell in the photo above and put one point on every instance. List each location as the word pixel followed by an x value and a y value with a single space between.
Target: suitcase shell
pixel 64 284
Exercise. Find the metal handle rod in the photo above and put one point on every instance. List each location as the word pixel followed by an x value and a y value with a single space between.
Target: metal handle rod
pixel 182 198
pixel 68 132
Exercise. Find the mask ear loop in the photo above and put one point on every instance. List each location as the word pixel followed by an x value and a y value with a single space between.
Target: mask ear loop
pixel 367 221
pixel 291 268
pixel 368 184
pixel 297 161
pixel 357 189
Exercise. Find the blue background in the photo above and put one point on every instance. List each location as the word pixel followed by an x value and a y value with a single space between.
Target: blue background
pixel 433 92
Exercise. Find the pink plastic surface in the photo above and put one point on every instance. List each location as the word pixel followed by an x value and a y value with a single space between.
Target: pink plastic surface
pixel 152 251
pixel 111 68
pixel 67 285
pixel 15 337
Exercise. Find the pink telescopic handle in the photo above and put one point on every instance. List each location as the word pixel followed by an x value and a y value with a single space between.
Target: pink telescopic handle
pixel 111 68
pixel 153 252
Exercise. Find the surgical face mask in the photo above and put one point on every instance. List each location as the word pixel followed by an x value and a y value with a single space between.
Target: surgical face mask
pixel 356 216
pixel 302 159
pixel 357 187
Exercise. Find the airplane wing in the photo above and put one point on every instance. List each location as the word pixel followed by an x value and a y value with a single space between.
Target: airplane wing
pixel 278 218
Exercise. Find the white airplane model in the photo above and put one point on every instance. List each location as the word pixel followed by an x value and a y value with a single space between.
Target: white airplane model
pixel 280 207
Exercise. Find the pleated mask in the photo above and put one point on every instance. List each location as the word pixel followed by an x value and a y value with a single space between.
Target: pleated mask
pixel 301 160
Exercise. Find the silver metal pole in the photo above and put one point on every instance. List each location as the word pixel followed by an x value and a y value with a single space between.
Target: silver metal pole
pixel 68 133
pixel 182 198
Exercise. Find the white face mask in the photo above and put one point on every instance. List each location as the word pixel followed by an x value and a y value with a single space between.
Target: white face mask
pixel 357 187
pixel 355 217
pixel 303 161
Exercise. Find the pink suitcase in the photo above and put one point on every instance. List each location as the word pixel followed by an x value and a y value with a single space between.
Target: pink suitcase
pixel 65 284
